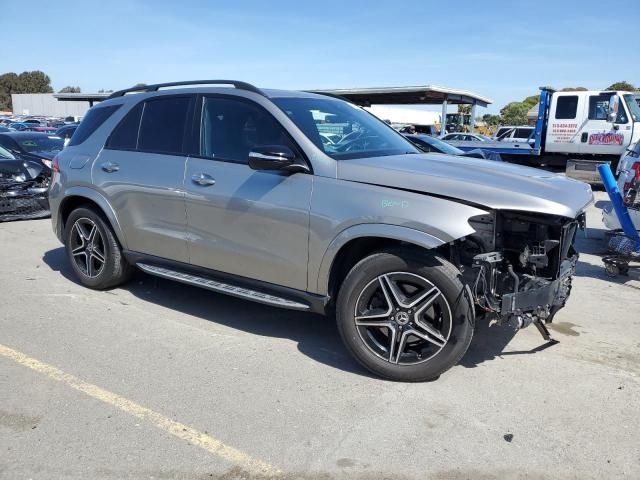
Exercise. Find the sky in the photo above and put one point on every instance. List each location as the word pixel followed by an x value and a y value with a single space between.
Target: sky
pixel 501 50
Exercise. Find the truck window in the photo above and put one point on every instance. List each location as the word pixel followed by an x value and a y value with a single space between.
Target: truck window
pixel 599 107
pixel 567 107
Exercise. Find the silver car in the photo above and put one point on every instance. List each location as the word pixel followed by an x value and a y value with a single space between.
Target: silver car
pixel 231 188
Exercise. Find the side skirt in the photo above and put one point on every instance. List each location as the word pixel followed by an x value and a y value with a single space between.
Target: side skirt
pixel 241 287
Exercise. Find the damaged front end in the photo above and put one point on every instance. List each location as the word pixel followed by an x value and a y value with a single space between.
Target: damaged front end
pixel 23 191
pixel 519 265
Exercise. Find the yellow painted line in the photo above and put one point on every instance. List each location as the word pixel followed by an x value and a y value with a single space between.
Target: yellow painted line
pixel 183 432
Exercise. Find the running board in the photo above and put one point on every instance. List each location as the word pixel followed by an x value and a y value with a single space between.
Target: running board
pixel 221 287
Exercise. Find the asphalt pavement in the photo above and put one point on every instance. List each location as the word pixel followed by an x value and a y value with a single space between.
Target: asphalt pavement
pixel 159 380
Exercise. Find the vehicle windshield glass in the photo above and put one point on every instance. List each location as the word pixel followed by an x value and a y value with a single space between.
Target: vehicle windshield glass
pixel 359 134
pixel 442 146
pixel 42 143
pixel 633 107
pixel 6 154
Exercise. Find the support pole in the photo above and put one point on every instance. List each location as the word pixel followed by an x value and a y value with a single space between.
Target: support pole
pixel 622 213
pixel 472 121
pixel 443 120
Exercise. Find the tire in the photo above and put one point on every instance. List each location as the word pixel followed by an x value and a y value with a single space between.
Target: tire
pixel 86 246
pixel 432 314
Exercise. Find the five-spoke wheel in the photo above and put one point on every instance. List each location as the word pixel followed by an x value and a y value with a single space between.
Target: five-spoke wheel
pixel 404 315
pixel 87 247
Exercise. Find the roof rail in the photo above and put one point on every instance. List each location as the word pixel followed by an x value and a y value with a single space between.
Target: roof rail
pixel 154 88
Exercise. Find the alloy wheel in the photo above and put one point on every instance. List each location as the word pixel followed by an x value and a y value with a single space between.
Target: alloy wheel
pixel 87 247
pixel 403 318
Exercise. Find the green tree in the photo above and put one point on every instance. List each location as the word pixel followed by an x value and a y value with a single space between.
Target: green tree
pixel 8 85
pixel 574 89
pixel 34 82
pixel 69 89
pixel 621 86
pixel 515 113
pixel 492 120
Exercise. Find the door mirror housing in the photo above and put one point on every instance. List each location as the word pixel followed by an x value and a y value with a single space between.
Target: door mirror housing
pixel 614 104
pixel 275 157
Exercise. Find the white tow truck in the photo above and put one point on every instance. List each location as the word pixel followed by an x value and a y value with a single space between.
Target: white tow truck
pixel 576 131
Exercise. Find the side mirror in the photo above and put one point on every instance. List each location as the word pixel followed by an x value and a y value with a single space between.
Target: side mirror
pixel 614 104
pixel 275 157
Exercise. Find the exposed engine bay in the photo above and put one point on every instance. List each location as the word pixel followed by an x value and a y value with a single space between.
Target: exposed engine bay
pixel 519 265
pixel 23 190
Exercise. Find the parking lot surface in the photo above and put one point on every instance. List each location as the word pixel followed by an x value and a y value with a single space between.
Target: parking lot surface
pixel 162 380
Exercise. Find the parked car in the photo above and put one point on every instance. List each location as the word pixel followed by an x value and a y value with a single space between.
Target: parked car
pixel 23 188
pixel 428 143
pixel 66 132
pixel 628 172
pixel 40 147
pixel 466 137
pixel 42 129
pixel 233 190
pixel 514 134
pixel 19 126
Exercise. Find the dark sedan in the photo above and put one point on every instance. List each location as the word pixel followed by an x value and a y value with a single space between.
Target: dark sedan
pixel 40 147
pixel 431 144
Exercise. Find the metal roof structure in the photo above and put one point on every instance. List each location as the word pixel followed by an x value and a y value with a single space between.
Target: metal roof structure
pixel 81 97
pixel 416 95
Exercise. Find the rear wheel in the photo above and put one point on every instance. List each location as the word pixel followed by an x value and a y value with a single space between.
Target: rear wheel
pixel 93 250
pixel 405 316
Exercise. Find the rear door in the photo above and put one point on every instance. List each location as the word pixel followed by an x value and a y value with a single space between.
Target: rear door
pixel 141 171
pixel 600 137
pixel 566 121
pixel 241 221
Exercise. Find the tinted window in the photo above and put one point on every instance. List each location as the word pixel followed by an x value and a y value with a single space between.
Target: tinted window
pixel 231 128
pixel 125 135
pixel 163 126
pixel 95 117
pixel 523 132
pixel 566 107
pixel 599 107
pixel 41 143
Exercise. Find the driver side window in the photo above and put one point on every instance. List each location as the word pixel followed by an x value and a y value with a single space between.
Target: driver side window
pixel 231 128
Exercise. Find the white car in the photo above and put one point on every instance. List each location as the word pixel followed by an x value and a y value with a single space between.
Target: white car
pixel 465 137
pixel 513 134
pixel 628 172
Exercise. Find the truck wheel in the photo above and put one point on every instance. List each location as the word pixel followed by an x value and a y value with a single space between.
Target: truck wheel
pixel 405 316
pixel 93 250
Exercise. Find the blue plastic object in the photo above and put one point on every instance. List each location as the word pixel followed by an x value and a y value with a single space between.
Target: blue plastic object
pixel 616 200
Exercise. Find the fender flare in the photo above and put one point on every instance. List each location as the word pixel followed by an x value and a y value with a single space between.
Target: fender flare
pixel 101 201
pixel 380 230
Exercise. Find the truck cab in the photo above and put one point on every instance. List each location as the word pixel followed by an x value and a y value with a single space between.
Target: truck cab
pixel 592 127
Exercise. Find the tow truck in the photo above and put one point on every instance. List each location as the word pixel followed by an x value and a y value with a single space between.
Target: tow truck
pixel 575 131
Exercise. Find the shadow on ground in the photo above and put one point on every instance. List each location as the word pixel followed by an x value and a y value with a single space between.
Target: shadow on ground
pixel 316 336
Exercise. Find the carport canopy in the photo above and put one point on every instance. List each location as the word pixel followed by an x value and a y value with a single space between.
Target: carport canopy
pixel 81 97
pixel 416 95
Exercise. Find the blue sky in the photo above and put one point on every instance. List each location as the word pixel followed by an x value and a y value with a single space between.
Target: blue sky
pixel 502 50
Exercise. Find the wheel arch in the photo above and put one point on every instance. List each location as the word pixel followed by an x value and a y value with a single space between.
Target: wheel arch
pixel 77 196
pixel 353 244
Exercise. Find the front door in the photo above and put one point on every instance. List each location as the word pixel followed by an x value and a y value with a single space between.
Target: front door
pixel 240 221
pixel 598 135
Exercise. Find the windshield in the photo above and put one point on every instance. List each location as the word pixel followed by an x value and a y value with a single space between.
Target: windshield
pixel 633 107
pixel 358 134
pixel 42 143
pixel 6 154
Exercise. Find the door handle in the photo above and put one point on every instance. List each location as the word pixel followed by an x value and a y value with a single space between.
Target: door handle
pixel 110 167
pixel 584 137
pixel 203 179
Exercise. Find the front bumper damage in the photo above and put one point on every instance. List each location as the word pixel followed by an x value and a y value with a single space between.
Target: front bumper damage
pixel 528 280
pixel 23 201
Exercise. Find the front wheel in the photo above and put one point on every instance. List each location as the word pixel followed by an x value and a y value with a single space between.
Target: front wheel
pixel 405 316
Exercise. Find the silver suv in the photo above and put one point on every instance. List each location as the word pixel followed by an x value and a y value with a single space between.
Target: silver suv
pixel 231 188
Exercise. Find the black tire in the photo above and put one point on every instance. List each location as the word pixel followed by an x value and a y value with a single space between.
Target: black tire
pixel 453 314
pixel 115 270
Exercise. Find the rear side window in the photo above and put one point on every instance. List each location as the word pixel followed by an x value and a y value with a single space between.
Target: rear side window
pixel 95 117
pixel 566 107
pixel 163 125
pixel 522 132
pixel 125 135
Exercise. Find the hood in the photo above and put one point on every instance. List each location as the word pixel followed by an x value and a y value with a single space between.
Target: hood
pixel 496 185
